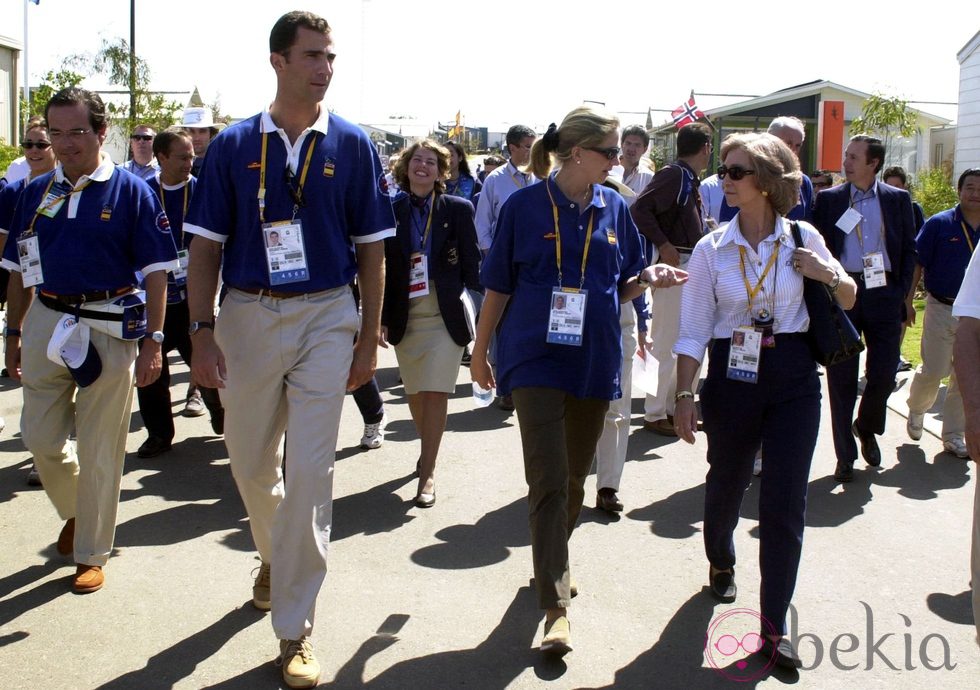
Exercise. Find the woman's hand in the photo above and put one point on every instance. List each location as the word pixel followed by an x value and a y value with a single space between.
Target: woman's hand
pixel 811 265
pixel 686 419
pixel 480 371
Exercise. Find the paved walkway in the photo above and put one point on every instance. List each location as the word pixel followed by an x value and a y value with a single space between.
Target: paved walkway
pixel 441 598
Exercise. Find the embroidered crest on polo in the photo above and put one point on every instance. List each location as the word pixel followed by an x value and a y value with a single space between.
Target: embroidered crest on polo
pixel 328 167
pixel 163 223
pixel 383 184
pixel 254 166
pixel 106 214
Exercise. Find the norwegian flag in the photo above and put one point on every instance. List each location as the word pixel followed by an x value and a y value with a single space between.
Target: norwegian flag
pixel 686 113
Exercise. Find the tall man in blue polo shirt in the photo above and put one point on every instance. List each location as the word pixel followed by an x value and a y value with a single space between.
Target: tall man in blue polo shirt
pixel 945 243
pixel 282 351
pixel 869 228
pixel 79 235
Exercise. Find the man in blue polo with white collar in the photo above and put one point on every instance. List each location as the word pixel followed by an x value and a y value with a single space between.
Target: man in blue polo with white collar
pixel 282 351
pixel 78 238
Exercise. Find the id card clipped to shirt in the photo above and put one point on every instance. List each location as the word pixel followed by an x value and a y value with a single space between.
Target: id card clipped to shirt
pixel 567 316
pixel 30 261
pixel 874 270
pixel 418 275
pixel 285 252
pixel 743 355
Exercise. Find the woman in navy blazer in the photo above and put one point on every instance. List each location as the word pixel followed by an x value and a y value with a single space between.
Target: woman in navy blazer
pixel 432 258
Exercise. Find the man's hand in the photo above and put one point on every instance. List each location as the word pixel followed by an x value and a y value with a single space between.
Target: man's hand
pixel 669 254
pixel 207 361
pixel 364 363
pixel 11 358
pixel 149 362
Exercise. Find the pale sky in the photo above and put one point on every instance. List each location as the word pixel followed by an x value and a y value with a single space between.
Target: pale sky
pixel 530 61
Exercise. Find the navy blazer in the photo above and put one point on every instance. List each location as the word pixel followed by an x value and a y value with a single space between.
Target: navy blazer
pixel 897 215
pixel 454 263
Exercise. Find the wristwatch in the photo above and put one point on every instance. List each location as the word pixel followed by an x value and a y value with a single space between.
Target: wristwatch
pixel 198 325
pixel 834 282
pixel 683 394
pixel 157 337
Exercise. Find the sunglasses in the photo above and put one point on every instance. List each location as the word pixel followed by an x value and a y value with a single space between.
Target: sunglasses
pixel 39 145
pixel 737 172
pixel 611 153
pixel 142 137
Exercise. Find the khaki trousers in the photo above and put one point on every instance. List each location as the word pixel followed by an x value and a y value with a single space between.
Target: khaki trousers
pixel 975 557
pixel 558 434
pixel 287 365
pixel 82 482
pixel 610 452
pixel 936 348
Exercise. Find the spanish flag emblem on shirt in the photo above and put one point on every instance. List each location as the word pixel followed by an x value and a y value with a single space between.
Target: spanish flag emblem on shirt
pixel 328 167
pixel 106 213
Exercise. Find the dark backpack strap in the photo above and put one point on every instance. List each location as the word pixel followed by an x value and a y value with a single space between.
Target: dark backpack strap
pixel 797 236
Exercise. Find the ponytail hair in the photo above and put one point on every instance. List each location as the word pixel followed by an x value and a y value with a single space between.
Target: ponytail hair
pixel 584 126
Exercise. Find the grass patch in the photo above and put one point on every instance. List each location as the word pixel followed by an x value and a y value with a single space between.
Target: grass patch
pixel 913 334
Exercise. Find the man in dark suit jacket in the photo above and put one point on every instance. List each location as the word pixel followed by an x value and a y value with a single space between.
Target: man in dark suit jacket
pixel 867 224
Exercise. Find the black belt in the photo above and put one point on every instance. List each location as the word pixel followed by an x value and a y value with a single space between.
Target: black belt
pixel 948 301
pixel 859 277
pixel 76 309
pixel 96 296
pixel 277 294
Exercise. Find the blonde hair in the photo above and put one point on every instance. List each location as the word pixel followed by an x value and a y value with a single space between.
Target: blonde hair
pixel 584 126
pixel 777 172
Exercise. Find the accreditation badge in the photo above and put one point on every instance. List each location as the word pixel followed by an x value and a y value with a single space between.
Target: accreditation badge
pixel 30 261
pixel 418 275
pixel 743 355
pixel 874 270
pixel 52 204
pixel 567 316
pixel 285 252
pixel 180 273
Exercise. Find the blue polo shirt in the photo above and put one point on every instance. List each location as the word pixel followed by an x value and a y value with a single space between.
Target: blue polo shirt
pixel 522 263
pixel 9 195
pixel 100 236
pixel 343 194
pixel 944 252
pixel 175 202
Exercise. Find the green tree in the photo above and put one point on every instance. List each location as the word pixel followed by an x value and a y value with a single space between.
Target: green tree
pixel 934 189
pixel 112 62
pixel 51 83
pixel 887 117
pixel 7 154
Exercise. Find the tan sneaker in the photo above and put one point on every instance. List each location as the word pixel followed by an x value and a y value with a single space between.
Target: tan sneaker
pixel 261 592
pixel 557 637
pixel 300 668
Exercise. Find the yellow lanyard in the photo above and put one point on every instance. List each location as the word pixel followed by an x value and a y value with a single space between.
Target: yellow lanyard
pixel 45 207
pixel 428 222
pixel 966 234
pixel 750 291
pixel 588 241
pixel 302 177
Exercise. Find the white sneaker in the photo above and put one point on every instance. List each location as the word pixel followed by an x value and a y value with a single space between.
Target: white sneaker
pixel 757 465
pixel 374 434
pixel 914 425
pixel 194 406
pixel 957 447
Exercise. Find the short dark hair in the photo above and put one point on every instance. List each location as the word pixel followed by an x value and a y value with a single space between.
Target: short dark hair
pixel 283 34
pixel 494 159
pixel 969 172
pixel 691 138
pixel 464 166
pixel 143 125
pixel 74 95
pixel 518 132
pixel 635 131
pixel 875 150
pixel 896 171
pixel 163 141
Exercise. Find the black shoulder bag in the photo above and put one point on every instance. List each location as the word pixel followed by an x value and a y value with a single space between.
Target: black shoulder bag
pixel 832 336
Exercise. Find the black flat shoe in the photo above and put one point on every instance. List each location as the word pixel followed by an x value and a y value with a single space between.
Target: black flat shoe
pixel 844 472
pixel 722 584
pixel 869 446
pixel 781 653
pixel 607 500
pixel 152 447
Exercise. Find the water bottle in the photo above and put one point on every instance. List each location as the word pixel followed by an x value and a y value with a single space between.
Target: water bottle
pixel 482 397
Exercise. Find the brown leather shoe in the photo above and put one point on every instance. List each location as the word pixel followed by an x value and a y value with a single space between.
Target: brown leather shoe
pixel 66 540
pixel 88 578
pixel 664 427
pixel 607 500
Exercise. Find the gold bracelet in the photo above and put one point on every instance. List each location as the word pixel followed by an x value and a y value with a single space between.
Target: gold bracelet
pixel 683 394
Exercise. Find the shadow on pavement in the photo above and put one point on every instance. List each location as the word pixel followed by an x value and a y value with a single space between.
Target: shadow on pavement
pixel 955 608
pixel 13 607
pixel 493 664
pixel 674 517
pixel 375 511
pixel 476 546
pixel 166 669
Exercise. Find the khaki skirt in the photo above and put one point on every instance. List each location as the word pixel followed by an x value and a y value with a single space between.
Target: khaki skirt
pixel 428 357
